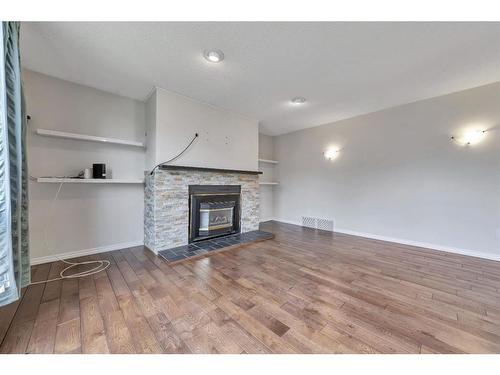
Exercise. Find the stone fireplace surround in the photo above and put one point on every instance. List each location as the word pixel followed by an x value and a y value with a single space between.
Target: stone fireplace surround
pixel 166 197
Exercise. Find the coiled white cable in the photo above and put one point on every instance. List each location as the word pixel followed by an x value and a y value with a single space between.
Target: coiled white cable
pixel 101 264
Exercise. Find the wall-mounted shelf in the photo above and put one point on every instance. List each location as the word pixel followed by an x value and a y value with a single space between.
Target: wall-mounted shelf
pixel 55 180
pixel 268 183
pixel 268 161
pixel 91 138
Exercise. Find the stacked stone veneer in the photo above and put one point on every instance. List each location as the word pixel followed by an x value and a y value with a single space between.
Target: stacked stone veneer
pixel 166 206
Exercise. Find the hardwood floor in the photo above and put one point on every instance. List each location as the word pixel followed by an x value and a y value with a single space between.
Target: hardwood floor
pixel 305 291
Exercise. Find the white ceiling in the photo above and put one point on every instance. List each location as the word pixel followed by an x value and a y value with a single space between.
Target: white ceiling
pixel 343 69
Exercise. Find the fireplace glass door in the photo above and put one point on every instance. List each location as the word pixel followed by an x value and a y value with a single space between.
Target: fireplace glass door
pixel 216 216
pixel 214 211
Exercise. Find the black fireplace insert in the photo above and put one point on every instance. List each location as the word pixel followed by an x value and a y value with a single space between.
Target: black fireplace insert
pixel 214 211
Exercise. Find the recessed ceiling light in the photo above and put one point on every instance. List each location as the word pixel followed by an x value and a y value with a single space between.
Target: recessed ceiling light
pixel 298 100
pixel 214 56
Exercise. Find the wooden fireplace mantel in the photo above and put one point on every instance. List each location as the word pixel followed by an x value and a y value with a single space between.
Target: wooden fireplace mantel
pixel 204 169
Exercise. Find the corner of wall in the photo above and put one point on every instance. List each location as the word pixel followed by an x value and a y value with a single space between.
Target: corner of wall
pixel 151 105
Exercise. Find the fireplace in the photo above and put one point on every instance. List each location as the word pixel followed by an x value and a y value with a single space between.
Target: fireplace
pixel 214 211
pixel 169 193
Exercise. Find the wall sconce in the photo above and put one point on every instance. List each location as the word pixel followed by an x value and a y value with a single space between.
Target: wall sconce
pixel 470 137
pixel 331 153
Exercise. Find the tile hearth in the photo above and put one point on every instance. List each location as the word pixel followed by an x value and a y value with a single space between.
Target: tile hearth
pixel 201 248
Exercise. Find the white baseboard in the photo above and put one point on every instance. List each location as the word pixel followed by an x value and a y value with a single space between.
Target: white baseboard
pixel 288 221
pixel 124 245
pixel 426 245
pixel 268 219
pixel 79 253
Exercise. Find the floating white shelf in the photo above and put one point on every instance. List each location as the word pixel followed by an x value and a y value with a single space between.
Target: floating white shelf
pixel 91 138
pixel 55 180
pixel 268 183
pixel 268 161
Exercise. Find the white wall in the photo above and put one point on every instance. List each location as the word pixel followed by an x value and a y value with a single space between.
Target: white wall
pixel 399 175
pixel 266 192
pixel 227 140
pixel 85 216
pixel 151 131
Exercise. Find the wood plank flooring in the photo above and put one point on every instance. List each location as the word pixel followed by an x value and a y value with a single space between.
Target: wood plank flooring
pixel 305 291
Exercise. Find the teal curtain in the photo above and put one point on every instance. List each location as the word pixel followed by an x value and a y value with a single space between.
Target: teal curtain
pixel 14 245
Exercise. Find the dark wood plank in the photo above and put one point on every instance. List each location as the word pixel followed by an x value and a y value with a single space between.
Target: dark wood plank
pixel 94 338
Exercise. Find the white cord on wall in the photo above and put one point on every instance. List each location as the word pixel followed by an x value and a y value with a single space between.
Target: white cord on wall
pixel 101 264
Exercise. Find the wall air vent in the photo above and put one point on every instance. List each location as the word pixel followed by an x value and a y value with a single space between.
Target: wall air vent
pixel 309 222
pixel 317 223
pixel 325 224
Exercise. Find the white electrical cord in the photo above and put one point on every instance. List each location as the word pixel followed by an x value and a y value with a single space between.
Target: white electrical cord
pixel 101 264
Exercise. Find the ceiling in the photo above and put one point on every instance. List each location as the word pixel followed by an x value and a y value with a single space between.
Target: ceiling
pixel 343 69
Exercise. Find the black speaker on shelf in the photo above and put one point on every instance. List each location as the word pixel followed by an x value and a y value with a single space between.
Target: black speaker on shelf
pixel 98 170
